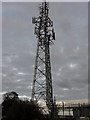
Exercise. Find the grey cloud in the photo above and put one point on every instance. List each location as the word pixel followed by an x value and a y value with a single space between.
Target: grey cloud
pixel 70 47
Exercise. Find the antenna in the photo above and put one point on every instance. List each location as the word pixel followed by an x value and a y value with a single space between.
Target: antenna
pixel 42 81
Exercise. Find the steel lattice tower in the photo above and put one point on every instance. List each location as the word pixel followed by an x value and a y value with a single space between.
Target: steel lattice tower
pixel 42 81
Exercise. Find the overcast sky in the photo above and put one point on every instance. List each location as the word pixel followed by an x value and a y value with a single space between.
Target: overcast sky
pixel 69 54
pixel 46 0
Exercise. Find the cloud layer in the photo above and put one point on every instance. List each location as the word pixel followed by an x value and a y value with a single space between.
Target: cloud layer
pixel 69 54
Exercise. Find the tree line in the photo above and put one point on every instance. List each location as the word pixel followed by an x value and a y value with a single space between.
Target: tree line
pixel 14 108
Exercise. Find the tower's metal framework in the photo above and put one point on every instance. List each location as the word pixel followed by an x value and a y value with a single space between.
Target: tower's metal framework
pixel 42 81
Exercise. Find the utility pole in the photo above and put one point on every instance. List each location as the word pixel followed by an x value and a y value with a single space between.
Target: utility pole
pixel 42 81
pixel 63 108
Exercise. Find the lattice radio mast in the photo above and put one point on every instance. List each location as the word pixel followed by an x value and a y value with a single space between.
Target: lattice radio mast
pixel 42 81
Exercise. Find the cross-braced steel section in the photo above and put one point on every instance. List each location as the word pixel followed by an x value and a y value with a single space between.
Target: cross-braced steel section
pixel 42 81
